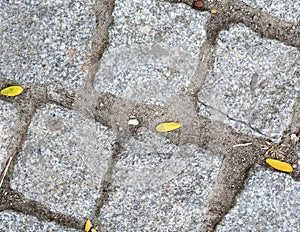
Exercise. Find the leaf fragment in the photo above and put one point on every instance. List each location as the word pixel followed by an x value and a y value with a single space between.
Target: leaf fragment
pixel 12 91
pixel 279 165
pixel 88 225
pixel 168 126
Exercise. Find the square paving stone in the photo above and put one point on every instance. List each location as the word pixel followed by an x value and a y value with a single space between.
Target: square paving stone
pixel 253 84
pixel 270 201
pixel 63 160
pixel 12 221
pixel 288 10
pixel 153 50
pixel 159 187
pixel 45 41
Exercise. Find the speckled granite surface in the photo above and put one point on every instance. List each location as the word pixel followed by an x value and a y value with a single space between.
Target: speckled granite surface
pixel 64 135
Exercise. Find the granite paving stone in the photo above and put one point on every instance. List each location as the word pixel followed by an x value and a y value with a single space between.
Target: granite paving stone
pixel 269 202
pixel 158 64
pixel 158 186
pixel 8 118
pixel 151 54
pixel 254 81
pixel 50 41
pixel 12 221
pixel 288 10
pixel 63 160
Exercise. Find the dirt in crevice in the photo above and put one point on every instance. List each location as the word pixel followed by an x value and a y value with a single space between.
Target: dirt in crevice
pixel 240 151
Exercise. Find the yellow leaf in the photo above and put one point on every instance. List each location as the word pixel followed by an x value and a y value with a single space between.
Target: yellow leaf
pixel 12 91
pixel 167 126
pixel 213 11
pixel 279 165
pixel 88 225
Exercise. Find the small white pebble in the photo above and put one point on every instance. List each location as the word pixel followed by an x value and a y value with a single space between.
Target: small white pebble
pixel 294 138
pixel 133 122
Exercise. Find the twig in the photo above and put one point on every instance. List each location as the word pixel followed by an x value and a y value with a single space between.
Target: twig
pixel 242 144
pixel 3 174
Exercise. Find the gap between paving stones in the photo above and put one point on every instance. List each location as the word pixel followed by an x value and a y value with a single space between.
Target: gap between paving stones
pixel 215 137
pixel 202 131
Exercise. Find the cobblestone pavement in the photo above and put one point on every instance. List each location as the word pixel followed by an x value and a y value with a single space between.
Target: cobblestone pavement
pixel 98 76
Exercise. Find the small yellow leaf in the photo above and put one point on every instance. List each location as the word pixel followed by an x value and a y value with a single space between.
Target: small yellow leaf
pixel 213 11
pixel 167 126
pixel 12 91
pixel 88 225
pixel 279 165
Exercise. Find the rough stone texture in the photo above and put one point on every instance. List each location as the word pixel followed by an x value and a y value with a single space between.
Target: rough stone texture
pixel 11 221
pixel 150 54
pixel 63 161
pixel 288 10
pixel 8 117
pixel 66 169
pixel 254 81
pixel 158 186
pixel 50 41
pixel 269 202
